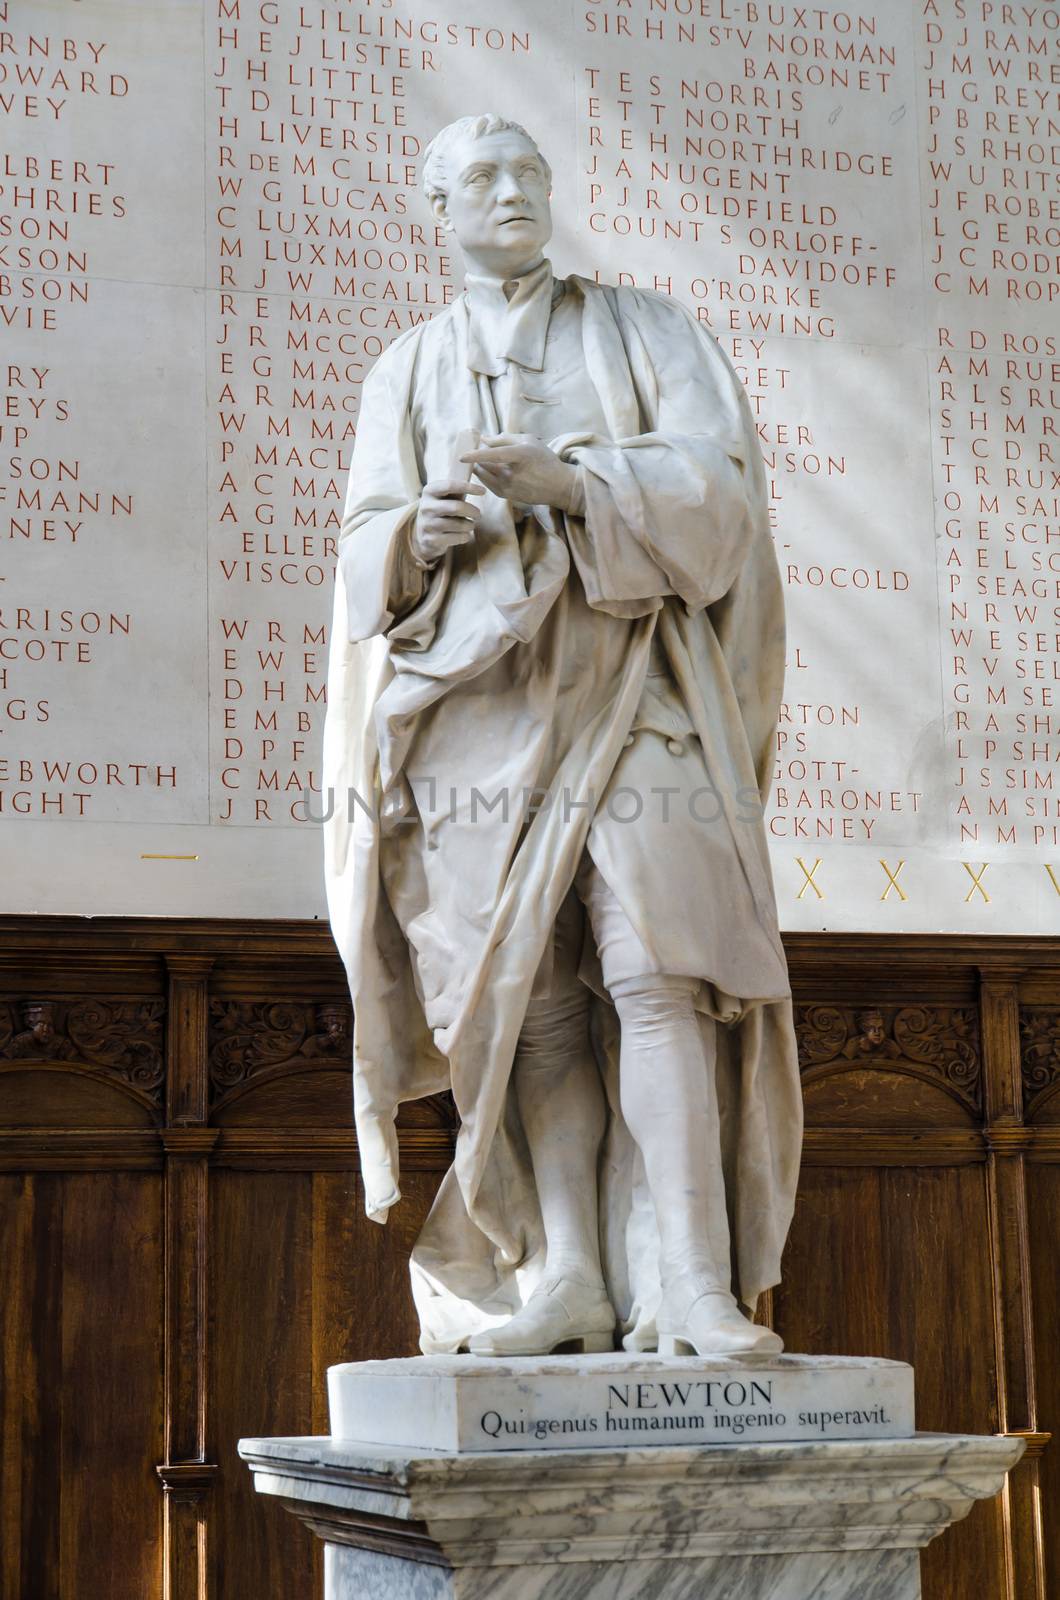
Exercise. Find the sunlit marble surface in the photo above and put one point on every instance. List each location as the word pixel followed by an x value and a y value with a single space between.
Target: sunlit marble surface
pixel 876 1575
pixel 463 1403
pixel 830 1521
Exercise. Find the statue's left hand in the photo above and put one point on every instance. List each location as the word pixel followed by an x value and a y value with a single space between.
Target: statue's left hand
pixel 520 468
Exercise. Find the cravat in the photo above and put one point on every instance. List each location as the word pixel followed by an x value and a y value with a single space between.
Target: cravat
pixel 508 320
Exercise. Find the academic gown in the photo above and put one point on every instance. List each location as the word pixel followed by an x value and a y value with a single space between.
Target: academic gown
pixel 519 665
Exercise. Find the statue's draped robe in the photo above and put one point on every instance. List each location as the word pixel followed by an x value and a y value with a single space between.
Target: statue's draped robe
pixel 518 665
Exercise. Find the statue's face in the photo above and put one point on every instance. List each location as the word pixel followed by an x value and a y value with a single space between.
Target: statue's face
pixel 497 204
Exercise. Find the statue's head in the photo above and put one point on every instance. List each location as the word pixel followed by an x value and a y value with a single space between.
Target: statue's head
pixel 489 184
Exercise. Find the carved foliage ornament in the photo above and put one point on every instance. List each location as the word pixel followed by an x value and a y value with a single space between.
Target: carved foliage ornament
pixel 1040 1051
pixel 120 1038
pixel 938 1043
pixel 246 1037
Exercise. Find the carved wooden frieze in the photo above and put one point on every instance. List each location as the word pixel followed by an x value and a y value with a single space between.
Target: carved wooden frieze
pixel 937 1043
pixel 252 1037
pixel 248 1037
pixel 1040 1053
pixel 120 1038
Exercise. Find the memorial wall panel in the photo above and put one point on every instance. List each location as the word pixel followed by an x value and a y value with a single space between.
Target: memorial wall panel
pixel 210 226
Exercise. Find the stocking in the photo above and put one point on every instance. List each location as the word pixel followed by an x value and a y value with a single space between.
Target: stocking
pixel 669 1100
pixel 561 1102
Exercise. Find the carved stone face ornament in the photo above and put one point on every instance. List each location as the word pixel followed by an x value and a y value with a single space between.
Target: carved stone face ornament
pixel 497 202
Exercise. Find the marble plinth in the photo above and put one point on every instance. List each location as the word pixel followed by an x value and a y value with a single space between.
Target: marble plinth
pixel 474 1403
pixel 839 1520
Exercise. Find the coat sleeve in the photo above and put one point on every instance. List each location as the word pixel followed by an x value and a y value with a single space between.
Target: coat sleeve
pixel 386 592
pixel 668 511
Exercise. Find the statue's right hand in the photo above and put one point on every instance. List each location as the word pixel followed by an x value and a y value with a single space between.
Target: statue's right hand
pixel 445 517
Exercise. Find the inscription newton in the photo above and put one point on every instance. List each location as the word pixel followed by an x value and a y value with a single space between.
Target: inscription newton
pixel 646 1396
pixel 463 1403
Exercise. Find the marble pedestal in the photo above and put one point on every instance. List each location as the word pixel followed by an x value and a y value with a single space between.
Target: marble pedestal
pixel 470 1403
pixel 834 1520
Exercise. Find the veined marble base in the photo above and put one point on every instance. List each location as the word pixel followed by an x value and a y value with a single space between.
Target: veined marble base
pixel 473 1403
pixel 825 1521
pixel 879 1575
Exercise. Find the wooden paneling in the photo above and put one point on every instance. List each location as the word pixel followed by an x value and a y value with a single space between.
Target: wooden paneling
pixel 1044 1209
pixel 185 1247
pixel 878 1264
pixel 261 1344
pixel 30 1440
pixel 110 1392
pixel 301 1280
pixel 81 1319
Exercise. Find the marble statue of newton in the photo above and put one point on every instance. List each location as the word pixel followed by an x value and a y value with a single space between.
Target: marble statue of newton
pixel 556 666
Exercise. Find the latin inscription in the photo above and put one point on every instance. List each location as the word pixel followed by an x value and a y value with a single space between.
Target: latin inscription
pixel 721 1409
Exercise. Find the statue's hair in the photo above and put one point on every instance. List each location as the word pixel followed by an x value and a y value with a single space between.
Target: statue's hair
pixel 435 174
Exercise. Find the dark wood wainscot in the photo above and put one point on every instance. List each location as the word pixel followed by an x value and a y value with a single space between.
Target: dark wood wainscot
pixel 185 1248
